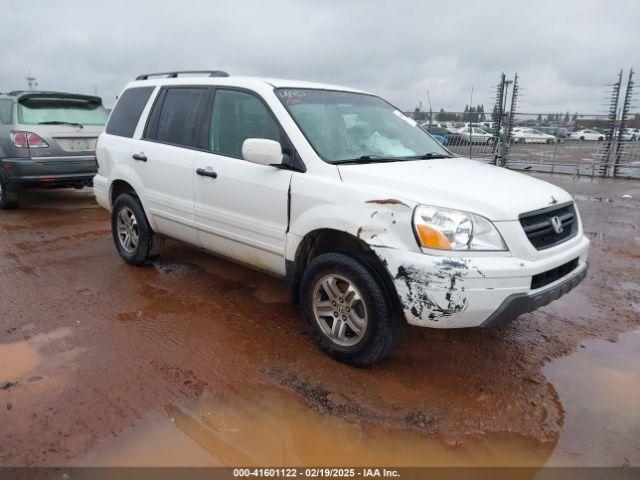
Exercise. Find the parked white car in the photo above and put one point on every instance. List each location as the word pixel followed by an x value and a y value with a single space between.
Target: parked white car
pixel 372 222
pixel 476 135
pixel 631 134
pixel 587 135
pixel 531 135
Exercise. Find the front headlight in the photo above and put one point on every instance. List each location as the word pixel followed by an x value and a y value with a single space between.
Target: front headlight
pixel 445 229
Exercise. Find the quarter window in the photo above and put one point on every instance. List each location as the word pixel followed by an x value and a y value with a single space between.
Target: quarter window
pixel 6 111
pixel 124 118
pixel 180 116
pixel 237 116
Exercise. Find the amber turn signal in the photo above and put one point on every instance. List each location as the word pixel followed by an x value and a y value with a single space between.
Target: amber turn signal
pixel 432 238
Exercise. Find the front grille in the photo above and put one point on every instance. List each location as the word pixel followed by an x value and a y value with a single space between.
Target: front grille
pixel 550 276
pixel 539 228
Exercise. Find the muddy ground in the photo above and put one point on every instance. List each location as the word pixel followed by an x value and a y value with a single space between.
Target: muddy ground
pixel 197 361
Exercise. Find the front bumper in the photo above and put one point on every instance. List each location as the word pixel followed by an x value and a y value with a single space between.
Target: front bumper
pixel 519 303
pixel 441 291
pixel 72 171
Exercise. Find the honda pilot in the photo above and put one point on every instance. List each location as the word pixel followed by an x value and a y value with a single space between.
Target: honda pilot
pixel 372 222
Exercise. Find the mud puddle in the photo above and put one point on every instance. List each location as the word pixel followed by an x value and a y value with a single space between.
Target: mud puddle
pixel 599 387
pixel 273 428
pixel 18 359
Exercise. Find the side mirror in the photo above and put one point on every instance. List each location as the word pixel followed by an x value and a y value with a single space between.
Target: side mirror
pixel 262 151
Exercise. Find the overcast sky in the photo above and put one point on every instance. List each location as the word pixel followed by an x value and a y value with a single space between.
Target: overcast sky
pixel 566 52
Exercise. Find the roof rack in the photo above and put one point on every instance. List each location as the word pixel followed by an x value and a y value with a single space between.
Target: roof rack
pixel 211 73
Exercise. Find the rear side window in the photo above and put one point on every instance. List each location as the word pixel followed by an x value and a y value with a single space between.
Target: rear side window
pixel 176 118
pixel 6 111
pixel 125 115
pixel 236 117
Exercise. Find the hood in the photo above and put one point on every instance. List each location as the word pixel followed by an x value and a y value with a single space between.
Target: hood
pixel 493 192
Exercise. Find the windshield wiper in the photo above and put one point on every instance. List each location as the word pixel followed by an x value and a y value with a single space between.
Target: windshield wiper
pixel 57 122
pixel 373 158
pixel 430 155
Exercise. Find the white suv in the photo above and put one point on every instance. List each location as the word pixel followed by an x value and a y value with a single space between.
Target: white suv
pixel 372 222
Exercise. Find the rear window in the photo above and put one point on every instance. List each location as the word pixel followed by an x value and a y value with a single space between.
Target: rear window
pixel 125 115
pixel 53 111
pixel 6 111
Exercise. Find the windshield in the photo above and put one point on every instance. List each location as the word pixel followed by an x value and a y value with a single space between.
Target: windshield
pixel 45 110
pixel 346 127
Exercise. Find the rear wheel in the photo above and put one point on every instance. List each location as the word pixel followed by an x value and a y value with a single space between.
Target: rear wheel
pixel 9 196
pixel 135 241
pixel 349 312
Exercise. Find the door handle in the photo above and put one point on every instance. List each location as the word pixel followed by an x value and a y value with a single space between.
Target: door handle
pixel 206 173
pixel 140 157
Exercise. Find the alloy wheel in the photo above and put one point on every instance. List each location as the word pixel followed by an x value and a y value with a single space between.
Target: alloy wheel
pixel 127 228
pixel 340 310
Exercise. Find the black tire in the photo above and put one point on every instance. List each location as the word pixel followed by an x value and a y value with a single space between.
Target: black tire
pixel 9 196
pixel 581 138
pixel 149 244
pixel 384 326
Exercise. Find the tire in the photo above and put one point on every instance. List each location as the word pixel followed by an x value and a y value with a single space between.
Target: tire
pixel 581 138
pixel 148 245
pixel 600 139
pixel 9 196
pixel 550 141
pixel 369 300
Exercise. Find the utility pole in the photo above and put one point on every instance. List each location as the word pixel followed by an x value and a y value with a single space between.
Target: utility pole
pixel 430 109
pixel 471 122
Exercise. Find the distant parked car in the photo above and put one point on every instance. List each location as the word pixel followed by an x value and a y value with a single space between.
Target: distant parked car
pixel 631 134
pixel 47 140
pixel 446 136
pixel 559 132
pixel 587 135
pixel 476 135
pixel 531 135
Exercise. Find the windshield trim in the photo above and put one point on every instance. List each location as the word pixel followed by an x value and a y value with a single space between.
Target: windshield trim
pixel 342 161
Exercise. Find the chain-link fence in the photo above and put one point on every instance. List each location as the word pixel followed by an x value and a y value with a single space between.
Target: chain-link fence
pixel 548 142
pixel 573 143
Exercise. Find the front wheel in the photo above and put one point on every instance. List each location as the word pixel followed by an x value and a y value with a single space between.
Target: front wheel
pixel 349 312
pixel 135 241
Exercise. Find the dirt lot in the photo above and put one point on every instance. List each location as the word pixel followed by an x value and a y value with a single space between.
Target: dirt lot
pixel 196 361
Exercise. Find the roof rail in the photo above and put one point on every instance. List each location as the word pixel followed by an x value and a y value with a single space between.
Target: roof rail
pixel 212 73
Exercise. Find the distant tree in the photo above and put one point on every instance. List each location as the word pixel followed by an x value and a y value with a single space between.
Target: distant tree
pixel 539 118
pixel 566 117
pixel 575 116
pixel 480 109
